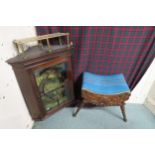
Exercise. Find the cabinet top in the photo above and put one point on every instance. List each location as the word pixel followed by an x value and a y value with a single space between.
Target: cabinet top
pixel 37 52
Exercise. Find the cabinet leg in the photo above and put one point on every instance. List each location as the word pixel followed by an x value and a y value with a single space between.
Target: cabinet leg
pixel 78 109
pixel 123 112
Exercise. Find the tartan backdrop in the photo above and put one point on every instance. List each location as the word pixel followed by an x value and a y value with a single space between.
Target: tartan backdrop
pixel 109 49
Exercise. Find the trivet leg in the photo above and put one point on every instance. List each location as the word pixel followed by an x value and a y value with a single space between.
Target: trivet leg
pixel 78 109
pixel 123 112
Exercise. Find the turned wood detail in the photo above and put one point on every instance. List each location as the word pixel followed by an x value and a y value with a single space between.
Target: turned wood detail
pixel 123 112
pixel 26 42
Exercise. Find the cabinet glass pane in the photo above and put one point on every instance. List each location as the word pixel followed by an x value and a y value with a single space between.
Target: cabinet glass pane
pixel 53 85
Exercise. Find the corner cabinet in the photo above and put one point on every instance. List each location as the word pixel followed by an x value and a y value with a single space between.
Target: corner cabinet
pixel 45 79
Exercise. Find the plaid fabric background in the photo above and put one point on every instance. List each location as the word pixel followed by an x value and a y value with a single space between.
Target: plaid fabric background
pixel 109 49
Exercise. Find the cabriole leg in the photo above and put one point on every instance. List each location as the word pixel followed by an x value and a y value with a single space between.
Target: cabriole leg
pixel 78 109
pixel 123 112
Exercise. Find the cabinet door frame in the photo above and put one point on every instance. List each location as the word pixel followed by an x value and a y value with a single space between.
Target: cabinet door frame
pixel 47 64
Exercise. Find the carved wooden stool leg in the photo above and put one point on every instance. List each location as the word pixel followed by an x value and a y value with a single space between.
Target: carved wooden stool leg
pixel 123 112
pixel 78 109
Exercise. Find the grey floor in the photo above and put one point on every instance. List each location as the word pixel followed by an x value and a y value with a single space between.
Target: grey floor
pixel 139 117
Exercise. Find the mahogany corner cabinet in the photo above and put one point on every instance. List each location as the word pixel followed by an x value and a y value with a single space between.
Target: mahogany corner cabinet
pixel 45 79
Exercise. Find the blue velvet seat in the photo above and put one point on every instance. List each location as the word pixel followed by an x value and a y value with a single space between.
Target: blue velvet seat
pixel 104 84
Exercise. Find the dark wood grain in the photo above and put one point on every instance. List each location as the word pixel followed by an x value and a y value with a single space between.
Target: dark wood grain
pixel 105 100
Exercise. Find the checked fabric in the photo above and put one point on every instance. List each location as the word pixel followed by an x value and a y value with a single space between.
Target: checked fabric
pixel 109 50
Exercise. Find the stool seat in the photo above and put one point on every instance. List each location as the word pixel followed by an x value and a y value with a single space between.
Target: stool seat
pixel 104 90
pixel 105 84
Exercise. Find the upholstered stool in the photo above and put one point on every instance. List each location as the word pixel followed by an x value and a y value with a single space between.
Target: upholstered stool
pixel 105 90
